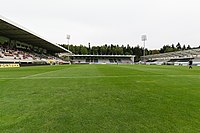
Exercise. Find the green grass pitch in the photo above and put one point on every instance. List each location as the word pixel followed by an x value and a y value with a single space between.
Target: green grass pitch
pixel 100 98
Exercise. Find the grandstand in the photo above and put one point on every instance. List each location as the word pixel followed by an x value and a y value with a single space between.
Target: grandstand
pixel 174 58
pixel 19 45
pixel 102 59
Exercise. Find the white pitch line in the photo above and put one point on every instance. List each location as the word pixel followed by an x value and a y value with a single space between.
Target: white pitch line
pixel 39 74
pixel 80 77
pixel 72 77
pixel 87 77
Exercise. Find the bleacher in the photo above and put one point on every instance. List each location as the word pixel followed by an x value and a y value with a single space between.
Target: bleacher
pixel 181 63
pixel 176 58
pixel 14 54
pixel 196 61
pixel 84 59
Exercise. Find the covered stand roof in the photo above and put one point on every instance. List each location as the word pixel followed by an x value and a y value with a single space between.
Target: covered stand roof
pixel 106 56
pixel 16 32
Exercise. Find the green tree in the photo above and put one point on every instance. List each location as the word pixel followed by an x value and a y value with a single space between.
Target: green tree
pixel 119 50
pixel 178 46
pixel 188 47
pixel 184 47
pixel 103 50
pixel 155 51
pixel 83 50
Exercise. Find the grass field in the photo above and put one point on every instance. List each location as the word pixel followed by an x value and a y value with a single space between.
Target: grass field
pixel 100 98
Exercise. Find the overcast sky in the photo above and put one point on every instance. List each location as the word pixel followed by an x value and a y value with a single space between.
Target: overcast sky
pixel 109 21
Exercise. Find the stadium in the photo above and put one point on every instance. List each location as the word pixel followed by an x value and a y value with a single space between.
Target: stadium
pixel 109 93
pixel 19 45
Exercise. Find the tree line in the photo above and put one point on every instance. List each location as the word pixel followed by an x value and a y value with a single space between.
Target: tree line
pixel 122 50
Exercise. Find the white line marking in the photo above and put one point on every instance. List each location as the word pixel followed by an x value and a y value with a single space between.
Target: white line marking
pixel 39 74
pixel 85 77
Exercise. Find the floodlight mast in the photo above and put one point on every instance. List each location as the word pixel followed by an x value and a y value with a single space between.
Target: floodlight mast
pixel 68 37
pixel 144 38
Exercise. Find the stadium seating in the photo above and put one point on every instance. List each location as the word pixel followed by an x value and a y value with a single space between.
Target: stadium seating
pixel 102 61
pixel 196 61
pixel 13 54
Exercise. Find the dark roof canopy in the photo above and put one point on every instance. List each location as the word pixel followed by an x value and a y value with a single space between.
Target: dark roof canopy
pixel 15 32
pixel 106 56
